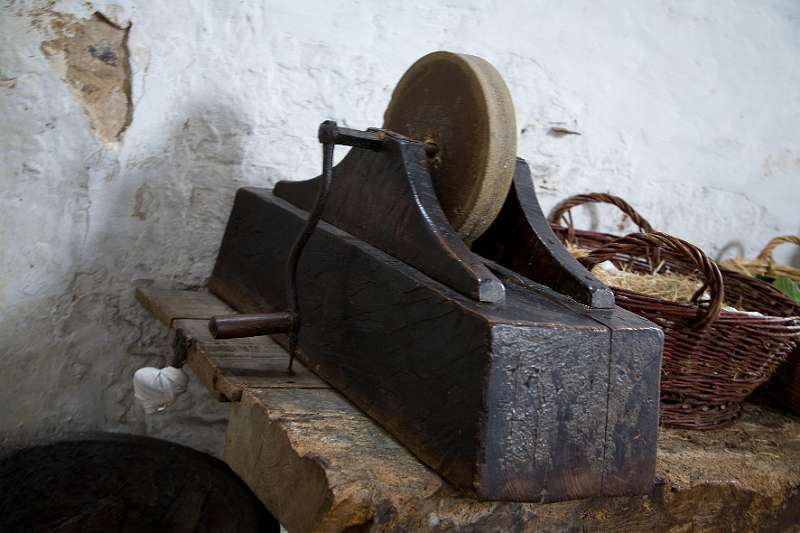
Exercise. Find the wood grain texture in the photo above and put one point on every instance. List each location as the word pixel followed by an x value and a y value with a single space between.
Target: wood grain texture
pixel 228 366
pixel 632 387
pixel 420 358
pixel 521 239
pixel 397 211
pixel 320 464
pixel 168 305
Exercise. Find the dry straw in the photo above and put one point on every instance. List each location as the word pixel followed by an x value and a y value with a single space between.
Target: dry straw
pixel 657 284
pixel 764 264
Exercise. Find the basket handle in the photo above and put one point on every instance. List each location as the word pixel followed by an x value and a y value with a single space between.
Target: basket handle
pixel 766 253
pixel 565 206
pixel 641 243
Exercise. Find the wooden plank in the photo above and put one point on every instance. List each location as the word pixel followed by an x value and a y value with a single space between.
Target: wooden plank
pixel 169 305
pixel 330 481
pixel 318 464
pixel 227 367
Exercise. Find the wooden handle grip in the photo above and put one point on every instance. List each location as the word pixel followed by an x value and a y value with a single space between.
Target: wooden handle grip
pixel 239 326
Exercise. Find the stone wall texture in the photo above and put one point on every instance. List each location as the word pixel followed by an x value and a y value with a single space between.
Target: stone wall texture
pixel 127 127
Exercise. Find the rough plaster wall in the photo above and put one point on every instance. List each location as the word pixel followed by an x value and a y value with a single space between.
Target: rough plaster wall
pixel 688 109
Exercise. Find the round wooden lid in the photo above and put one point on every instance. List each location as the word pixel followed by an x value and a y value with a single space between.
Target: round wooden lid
pixel 461 104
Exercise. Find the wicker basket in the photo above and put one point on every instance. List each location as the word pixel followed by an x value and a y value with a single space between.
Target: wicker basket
pixel 753 293
pixel 742 290
pixel 713 359
pixel 591 239
pixel 764 264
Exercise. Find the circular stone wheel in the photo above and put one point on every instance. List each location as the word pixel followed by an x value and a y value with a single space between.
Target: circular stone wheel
pixel 461 104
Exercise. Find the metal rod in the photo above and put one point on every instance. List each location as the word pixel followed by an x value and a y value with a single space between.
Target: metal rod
pixel 327 135
pixel 253 325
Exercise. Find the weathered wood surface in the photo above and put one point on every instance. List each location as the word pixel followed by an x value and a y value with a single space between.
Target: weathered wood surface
pixel 226 367
pixel 408 221
pixel 522 240
pixel 168 305
pixel 319 464
pixel 536 398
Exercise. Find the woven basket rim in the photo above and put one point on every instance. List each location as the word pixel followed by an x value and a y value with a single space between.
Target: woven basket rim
pixel 691 310
pixel 761 284
pixel 724 316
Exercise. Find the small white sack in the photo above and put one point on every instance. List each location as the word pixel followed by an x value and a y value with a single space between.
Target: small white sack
pixel 157 388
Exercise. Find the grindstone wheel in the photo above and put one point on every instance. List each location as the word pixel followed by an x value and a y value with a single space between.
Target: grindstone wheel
pixel 461 104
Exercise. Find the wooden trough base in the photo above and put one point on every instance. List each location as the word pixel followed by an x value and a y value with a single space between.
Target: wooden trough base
pixel 319 464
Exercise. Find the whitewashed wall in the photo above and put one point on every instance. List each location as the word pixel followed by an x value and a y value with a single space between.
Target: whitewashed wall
pixel 688 109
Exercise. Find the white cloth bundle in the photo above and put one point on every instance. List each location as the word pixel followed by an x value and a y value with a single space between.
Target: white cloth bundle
pixel 157 388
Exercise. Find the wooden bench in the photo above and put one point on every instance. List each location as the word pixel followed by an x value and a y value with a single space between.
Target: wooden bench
pixel 320 464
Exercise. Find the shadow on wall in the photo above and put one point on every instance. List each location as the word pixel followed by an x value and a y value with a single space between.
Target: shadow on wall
pixel 177 204
pixel 730 250
pixel 181 197
pixel 160 217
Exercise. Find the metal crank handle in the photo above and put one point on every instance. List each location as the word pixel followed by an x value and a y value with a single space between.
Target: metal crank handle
pixel 254 325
